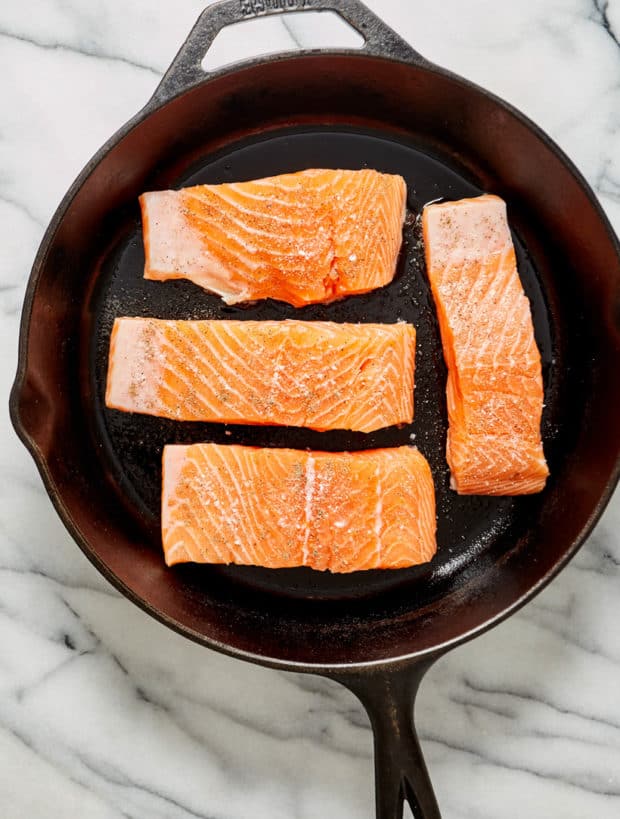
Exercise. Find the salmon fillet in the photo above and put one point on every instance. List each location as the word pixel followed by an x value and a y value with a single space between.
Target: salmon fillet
pixel 495 389
pixel 302 238
pixel 320 375
pixel 281 508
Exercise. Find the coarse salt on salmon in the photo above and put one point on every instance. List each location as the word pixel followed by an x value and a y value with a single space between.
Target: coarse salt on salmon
pixel 305 237
pixel 281 508
pixel 320 375
pixel 495 389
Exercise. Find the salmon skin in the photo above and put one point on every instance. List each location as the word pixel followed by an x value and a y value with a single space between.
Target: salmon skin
pixel 320 375
pixel 306 237
pixel 282 508
pixel 495 389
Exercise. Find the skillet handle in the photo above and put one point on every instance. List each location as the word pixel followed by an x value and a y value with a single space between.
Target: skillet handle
pixel 400 770
pixel 186 69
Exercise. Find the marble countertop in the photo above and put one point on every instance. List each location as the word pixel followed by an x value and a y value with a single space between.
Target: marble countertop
pixel 106 714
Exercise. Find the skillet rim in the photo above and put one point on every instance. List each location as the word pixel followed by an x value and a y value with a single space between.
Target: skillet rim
pixel 153 105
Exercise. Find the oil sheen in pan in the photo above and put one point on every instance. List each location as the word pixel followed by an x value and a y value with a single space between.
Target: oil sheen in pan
pixel 133 443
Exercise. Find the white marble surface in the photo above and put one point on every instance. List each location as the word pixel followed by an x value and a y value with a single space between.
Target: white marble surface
pixel 105 714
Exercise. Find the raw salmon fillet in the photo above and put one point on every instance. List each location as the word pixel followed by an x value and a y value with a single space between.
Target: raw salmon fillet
pixel 281 508
pixel 305 237
pixel 495 389
pixel 291 373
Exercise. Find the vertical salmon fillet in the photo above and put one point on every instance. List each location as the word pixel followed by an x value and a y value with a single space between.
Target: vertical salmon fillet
pixel 495 389
pixel 305 237
pixel 281 508
pixel 320 375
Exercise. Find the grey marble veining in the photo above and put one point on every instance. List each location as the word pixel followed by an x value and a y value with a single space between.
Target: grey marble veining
pixel 104 713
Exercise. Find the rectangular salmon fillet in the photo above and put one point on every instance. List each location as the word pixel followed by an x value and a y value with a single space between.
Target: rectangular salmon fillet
pixel 305 237
pixel 320 375
pixel 282 508
pixel 495 389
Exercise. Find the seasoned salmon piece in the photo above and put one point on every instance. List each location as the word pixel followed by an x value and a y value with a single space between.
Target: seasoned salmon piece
pixel 281 508
pixel 495 388
pixel 302 238
pixel 320 375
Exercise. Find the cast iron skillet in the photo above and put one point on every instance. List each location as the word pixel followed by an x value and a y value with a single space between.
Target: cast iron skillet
pixel 386 107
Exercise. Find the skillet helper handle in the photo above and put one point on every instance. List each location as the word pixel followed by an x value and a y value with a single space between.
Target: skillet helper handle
pixel 186 69
pixel 400 770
